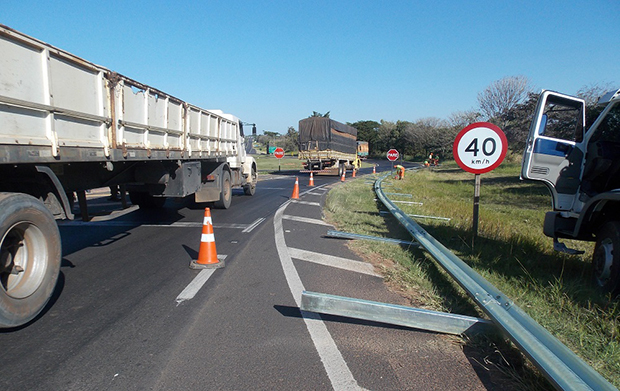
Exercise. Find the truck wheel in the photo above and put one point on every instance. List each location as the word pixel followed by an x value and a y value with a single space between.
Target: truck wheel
pixel 250 188
pixel 606 258
pixel 146 201
pixel 30 257
pixel 225 193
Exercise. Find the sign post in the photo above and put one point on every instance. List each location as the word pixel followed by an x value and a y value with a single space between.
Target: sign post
pixel 479 148
pixel 279 154
pixel 392 156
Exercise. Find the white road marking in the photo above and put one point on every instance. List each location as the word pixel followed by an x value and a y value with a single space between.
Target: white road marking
pixel 306 220
pixel 333 261
pixel 178 224
pixel 306 202
pixel 253 225
pixel 190 290
pixel 336 367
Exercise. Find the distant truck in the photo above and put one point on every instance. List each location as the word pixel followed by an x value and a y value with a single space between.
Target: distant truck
pixel 68 125
pixel 327 144
pixel 362 149
pixel 581 167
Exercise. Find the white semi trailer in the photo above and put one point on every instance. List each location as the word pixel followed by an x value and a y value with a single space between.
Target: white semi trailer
pixel 68 125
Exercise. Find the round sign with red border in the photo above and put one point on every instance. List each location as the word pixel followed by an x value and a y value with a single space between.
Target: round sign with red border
pixel 278 153
pixel 392 155
pixel 480 147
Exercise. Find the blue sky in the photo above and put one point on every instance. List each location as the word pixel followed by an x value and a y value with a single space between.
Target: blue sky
pixel 275 62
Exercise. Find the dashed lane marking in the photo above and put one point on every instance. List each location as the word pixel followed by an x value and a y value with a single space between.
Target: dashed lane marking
pixel 333 261
pixel 306 220
pixel 306 202
pixel 190 290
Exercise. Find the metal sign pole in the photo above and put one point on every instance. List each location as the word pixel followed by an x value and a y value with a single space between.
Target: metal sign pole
pixel 476 208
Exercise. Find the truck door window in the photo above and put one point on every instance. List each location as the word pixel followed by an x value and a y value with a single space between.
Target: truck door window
pixel 563 119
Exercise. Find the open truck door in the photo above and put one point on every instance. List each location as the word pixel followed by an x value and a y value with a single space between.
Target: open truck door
pixel 554 152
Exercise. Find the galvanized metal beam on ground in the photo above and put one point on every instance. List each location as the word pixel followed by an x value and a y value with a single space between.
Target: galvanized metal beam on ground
pixel 399 315
pixel 558 363
pixel 346 235
pixel 385 212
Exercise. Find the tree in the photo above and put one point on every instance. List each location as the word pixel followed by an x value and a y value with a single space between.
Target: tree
pixel 367 131
pixel 291 140
pixel 317 114
pixel 503 95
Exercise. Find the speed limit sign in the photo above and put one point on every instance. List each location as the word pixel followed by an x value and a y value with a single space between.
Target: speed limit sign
pixel 480 147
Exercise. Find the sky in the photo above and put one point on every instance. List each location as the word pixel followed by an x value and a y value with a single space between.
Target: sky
pixel 273 63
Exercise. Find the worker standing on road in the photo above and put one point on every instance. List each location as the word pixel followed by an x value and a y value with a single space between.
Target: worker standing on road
pixel 400 171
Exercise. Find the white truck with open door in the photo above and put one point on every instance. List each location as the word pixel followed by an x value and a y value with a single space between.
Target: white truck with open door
pixel 580 165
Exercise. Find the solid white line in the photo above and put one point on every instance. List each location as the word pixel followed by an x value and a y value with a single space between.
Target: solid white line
pixel 190 290
pixel 336 367
pixel 333 261
pixel 306 220
pixel 253 225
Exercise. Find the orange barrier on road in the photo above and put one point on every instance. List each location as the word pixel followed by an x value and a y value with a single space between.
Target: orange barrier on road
pixel 207 254
pixel 295 195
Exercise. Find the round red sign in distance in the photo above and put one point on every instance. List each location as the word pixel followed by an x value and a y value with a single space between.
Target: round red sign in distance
pixel 392 155
pixel 477 127
pixel 278 153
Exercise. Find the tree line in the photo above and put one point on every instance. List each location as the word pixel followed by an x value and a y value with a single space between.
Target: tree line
pixel 508 103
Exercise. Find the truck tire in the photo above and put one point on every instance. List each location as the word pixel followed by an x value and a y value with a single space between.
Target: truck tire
pixel 606 258
pixel 225 192
pixel 146 201
pixel 250 188
pixel 30 257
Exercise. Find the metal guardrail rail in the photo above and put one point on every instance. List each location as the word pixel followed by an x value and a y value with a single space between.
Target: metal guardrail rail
pixel 558 363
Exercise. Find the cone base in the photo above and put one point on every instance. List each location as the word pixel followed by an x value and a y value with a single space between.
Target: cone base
pixel 216 265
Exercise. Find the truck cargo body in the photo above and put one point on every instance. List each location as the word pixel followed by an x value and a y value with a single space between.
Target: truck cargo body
pixel 68 125
pixel 325 143
pixel 362 149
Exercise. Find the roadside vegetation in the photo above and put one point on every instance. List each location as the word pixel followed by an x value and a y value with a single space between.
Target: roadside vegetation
pixel 510 251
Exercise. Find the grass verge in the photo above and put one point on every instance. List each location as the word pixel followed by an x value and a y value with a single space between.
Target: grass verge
pixel 510 251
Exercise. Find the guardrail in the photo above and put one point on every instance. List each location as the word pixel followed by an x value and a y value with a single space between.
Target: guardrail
pixel 558 363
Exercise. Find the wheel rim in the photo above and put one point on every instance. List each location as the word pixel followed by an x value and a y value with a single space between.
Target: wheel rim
pixel 603 260
pixel 23 260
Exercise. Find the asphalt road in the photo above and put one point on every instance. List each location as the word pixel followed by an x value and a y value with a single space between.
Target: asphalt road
pixel 121 318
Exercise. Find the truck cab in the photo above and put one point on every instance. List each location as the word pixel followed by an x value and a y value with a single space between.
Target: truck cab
pixel 580 166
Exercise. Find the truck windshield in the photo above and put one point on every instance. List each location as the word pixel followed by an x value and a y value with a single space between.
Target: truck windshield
pixel 563 119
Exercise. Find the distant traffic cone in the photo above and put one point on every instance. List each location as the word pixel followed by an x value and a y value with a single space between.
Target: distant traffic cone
pixel 295 195
pixel 343 174
pixel 207 255
pixel 354 173
pixel 374 171
pixel 311 180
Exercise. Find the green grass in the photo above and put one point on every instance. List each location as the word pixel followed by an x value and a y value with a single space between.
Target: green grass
pixel 510 251
pixel 268 163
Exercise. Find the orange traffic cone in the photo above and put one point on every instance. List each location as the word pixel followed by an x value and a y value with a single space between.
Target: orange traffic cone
pixel 207 255
pixel 295 195
pixel 354 173
pixel 343 174
pixel 311 180
pixel 374 171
